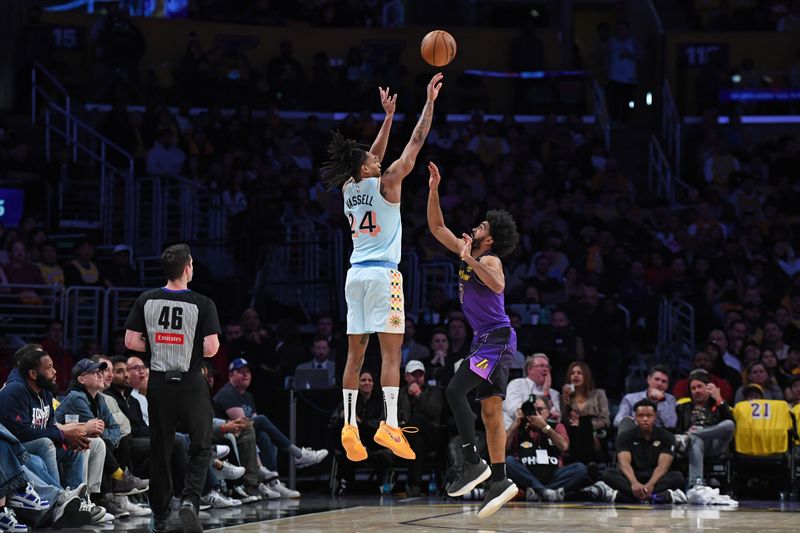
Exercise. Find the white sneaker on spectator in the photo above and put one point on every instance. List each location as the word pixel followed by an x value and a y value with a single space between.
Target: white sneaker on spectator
pixel 285 492
pixel 310 457
pixel 220 451
pixel 124 503
pixel 678 497
pixel 553 495
pixel 265 474
pixel 601 492
pixel 229 471
pixel 218 501
pixel 267 492
pixel 81 491
pixel 8 520
pixel 681 443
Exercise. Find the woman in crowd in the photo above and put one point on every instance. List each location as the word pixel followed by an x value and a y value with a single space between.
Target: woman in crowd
pixel 584 409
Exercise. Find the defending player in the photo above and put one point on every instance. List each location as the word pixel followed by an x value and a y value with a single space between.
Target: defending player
pixel 374 286
pixel 480 285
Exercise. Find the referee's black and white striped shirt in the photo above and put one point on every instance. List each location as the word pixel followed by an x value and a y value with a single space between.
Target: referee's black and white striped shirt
pixel 176 322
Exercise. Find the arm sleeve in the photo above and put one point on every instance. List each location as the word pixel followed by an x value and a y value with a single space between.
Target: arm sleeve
pixel 666 411
pixel 210 324
pixel 135 320
pixel 625 441
pixel 75 405
pixel 225 401
pixel 669 443
pixel 432 404
pixel 623 411
pixel 112 431
pixel 602 419
pixel 680 425
pixel 514 399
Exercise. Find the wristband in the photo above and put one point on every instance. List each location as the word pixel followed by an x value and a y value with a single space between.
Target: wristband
pixel 546 428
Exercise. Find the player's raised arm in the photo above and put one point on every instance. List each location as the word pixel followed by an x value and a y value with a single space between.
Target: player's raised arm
pixel 389 103
pixel 435 217
pixel 402 167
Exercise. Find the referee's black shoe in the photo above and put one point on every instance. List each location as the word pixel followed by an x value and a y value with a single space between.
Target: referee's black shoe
pixel 157 525
pixel 469 476
pixel 188 514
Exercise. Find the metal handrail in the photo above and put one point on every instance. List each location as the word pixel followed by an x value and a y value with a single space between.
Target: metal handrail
pixel 656 17
pixel 658 171
pixel 36 89
pixel 671 127
pixel 97 147
pixel 600 111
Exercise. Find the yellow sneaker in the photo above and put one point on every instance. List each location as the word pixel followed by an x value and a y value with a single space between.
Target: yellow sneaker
pixel 352 443
pixel 394 439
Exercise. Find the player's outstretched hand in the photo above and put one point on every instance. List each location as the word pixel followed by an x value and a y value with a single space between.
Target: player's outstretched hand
pixel 434 86
pixel 436 178
pixel 466 249
pixel 389 102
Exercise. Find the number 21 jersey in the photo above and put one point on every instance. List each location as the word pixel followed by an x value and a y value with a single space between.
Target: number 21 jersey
pixel 375 224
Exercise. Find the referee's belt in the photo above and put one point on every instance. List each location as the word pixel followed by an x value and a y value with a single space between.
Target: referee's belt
pixel 172 376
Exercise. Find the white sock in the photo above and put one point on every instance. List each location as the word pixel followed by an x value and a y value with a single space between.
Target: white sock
pixel 390 404
pixel 350 397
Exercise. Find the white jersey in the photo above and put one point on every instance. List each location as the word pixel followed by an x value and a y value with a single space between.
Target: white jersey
pixel 375 224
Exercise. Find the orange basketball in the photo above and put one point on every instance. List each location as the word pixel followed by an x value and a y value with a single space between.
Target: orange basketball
pixel 438 48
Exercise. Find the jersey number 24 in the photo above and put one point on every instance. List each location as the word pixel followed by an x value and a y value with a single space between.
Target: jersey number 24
pixel 368 225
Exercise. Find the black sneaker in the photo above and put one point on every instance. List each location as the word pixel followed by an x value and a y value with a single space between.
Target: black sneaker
pixel 469 476
pixel 189 518
pixel 498 494
pixel 67 513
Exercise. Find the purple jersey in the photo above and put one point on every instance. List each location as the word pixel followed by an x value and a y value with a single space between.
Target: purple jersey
pixel 484 308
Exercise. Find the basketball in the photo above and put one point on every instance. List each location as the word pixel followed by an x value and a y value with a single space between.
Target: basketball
pixel 438 48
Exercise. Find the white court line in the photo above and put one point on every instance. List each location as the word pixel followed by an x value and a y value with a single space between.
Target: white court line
pixel 286 518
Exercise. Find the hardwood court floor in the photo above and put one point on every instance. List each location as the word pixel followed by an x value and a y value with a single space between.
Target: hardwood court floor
pixel 520 517
pixel 373 514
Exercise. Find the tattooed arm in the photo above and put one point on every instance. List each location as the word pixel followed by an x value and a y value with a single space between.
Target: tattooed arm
pixel 393 177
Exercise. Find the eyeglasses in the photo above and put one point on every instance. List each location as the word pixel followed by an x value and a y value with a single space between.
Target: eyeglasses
pixel 541 366
pixel 541 410
pixel 137 368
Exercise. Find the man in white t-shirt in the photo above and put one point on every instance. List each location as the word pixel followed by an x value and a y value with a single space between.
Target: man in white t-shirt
pixel 536 383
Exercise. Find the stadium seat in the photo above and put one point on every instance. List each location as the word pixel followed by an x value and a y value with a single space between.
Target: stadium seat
pixel 763 439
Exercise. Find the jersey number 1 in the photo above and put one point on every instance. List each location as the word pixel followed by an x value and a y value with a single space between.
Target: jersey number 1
pixel 173 322
pixel 368 224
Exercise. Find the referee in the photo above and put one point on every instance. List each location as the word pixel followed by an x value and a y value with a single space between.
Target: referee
pixel 181 329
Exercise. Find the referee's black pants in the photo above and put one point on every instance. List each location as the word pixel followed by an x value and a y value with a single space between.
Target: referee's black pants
pixel 186 406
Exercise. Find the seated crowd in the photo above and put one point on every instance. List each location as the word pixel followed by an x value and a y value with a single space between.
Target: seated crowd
pixel 78 448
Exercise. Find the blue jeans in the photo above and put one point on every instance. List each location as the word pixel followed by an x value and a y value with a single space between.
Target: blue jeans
pixel 269 439
pixel 46 487
pixel 52 455
pixel 567 477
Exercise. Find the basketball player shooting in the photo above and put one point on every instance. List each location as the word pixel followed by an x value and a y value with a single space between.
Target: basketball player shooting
pixel 374 285
pixel 480 288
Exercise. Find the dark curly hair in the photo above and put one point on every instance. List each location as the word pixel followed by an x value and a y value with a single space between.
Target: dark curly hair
pixel 503 230
pixel 346 155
